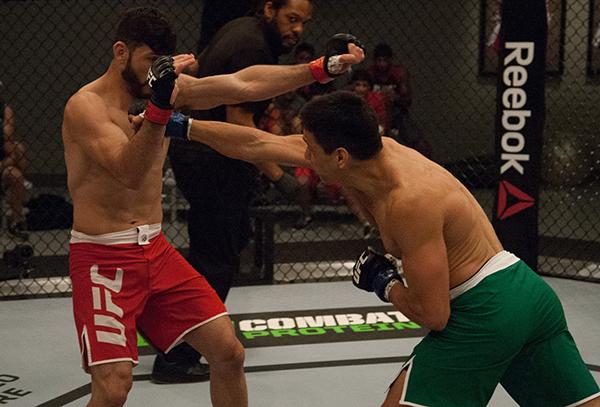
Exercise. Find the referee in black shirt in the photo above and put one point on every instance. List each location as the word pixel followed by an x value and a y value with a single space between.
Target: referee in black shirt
pixel 219 189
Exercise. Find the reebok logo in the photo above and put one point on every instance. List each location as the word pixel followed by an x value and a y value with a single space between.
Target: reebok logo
pixel 514 100
pixel 506 190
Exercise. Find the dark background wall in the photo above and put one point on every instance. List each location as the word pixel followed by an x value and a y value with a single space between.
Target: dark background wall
pixel 50 48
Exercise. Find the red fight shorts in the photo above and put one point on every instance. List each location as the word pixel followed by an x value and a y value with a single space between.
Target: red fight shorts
pixel 134 279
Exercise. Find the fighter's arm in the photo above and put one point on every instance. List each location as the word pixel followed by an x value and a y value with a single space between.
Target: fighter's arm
pixel 285 183
pixel 417 230
pixel 249 144
pixel 255 83
pixel 244 117
pixel 88 125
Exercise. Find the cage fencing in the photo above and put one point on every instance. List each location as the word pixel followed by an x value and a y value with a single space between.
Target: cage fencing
pixel 52 48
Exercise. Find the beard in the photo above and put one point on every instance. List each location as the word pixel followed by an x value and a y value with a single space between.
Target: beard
pixel 285 44
pixel 288 44
pixel 136 88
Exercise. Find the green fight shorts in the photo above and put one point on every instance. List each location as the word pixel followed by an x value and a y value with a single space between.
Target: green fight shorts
pixel 506 326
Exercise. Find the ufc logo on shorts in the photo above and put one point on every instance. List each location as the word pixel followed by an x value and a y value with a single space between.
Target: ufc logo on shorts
pixel 107 287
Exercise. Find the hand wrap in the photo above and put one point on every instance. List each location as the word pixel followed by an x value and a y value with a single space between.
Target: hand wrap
pixel 179 126
pixel 326 68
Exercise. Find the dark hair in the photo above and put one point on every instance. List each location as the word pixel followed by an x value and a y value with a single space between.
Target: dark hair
pixel 383 50
pixel 343 119
pixel 147 26
pixel 277 4
pixel 361 75
pixel 304 47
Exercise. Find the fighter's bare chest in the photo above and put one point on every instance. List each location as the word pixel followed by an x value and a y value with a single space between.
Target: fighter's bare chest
pixel 387 232
pixel 122 121
pixel 389 241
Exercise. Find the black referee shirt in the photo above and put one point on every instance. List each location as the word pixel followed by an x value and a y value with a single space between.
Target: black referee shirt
pixel 241 43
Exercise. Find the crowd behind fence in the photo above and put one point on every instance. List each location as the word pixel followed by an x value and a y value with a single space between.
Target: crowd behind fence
pixel 52 48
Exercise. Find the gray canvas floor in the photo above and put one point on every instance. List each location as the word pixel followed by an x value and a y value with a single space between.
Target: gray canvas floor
pixel 39 354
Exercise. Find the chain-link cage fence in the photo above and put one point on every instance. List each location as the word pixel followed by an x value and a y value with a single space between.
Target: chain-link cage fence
pixel 569 201
pixel 51 48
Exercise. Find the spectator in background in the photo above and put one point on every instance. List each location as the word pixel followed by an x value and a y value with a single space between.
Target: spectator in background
pixel 13 163
pixel 282 117
pixel 219 189
pixel 306 177
pixel 394 81
pixel 361 83
pixel 303 54
pixel 309 181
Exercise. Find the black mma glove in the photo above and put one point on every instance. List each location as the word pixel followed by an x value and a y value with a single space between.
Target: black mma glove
pixel 337 45
pixel 328 67
pixel 161 79
pixel 374 272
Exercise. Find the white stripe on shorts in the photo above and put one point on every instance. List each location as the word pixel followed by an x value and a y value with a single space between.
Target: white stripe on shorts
pixel 141 235
pixel 498 262
pixel 585 400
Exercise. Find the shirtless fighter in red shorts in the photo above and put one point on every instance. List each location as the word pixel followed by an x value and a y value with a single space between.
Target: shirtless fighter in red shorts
pixel 123 271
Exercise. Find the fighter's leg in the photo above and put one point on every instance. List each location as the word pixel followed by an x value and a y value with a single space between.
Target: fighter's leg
pixel 549 369
pixel 395 392
pixel 216 340
pixel 592 403
pixel 450 383
pixel 551 372
pixel 109 292
pixel 189 309
pixel 111 383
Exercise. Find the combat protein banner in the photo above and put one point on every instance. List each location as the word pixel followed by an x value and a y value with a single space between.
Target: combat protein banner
pixel 519 125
